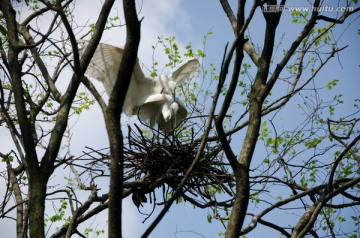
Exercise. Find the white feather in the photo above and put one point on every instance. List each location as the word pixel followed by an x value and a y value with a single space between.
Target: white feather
pixel 186 70
pixel 150 98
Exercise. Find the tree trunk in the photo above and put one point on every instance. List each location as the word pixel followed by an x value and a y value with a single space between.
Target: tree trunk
pixel 116 171
pixel 37 194
pixel 240 205
pixel 112 117
pixel 239 209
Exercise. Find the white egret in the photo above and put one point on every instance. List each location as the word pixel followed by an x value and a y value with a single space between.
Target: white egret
pixel 152 99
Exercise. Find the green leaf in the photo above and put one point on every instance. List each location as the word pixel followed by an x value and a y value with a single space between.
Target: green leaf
pixel 209 218
pixel 331 84
pixel 8 159
pixel 303 182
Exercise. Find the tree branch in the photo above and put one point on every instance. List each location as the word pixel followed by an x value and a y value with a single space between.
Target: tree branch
pixel 112 117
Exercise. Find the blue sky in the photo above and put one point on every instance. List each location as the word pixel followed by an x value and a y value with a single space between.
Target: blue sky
pixel 189 21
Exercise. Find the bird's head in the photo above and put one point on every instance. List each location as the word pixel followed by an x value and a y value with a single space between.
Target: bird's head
pixel 169 111
pixel 174 107
pixel 166 112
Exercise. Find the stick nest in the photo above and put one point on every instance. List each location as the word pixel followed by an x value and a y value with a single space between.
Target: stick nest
pixel 165 159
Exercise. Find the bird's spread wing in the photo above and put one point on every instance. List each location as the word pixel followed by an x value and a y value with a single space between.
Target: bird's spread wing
pixel 105 64
pixel 186 70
